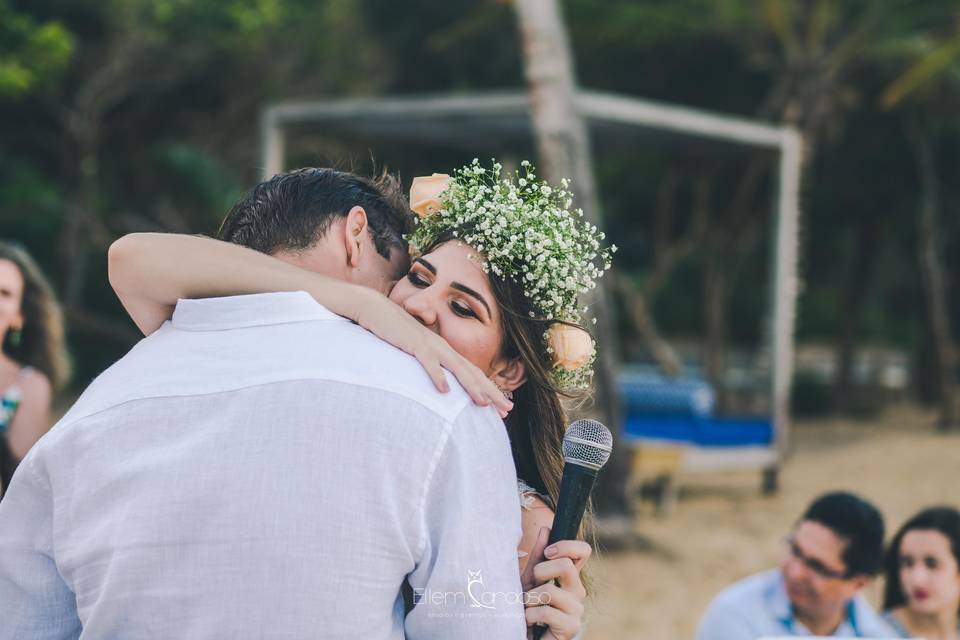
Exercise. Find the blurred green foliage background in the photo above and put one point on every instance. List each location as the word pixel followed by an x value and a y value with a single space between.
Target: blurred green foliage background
pixel 125 115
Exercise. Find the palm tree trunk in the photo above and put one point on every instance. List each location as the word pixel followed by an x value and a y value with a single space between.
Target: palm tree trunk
pixel 563 147
pixel 715 316
pixel 852 298
pixel 81 205
pixel 933 272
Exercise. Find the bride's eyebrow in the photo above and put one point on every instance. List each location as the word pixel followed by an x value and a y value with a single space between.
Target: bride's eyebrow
pixel 456 285
pixel 432 269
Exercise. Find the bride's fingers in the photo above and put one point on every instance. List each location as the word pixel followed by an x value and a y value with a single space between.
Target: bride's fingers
pixel 432 366
pixel 492 392
pixel 577 550
pixel 439 378
pixel 435 354
pixel 561 625
pixel 432 352
pixel 500 401
pixel 562 570
pixel 466 374
pixel 480 388
pixel 551 595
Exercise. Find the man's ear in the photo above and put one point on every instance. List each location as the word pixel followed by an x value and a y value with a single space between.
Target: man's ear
pixel 509 374
pixel 355 233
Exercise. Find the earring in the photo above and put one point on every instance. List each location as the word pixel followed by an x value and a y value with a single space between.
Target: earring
pixel 507 393
pixel 15 335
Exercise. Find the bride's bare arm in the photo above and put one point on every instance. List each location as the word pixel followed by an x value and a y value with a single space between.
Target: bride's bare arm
pixel 151 271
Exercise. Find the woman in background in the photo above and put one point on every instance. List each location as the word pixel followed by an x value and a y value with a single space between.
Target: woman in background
pixel 922 593
pixel 33 360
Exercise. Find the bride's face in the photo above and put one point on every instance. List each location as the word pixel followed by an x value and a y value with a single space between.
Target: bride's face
pixel 449 293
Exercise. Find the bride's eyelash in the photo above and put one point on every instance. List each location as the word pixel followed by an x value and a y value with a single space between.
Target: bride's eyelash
pixel 463 310
pixel 417 280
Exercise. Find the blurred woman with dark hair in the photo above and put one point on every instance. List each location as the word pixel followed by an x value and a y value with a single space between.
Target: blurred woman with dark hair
pixel 33 360
pixel 922 593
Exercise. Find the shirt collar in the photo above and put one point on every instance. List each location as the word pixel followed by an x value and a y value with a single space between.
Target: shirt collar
pixel 778 603
pixel 233 312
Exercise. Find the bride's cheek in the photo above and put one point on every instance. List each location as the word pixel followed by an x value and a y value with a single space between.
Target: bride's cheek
pixel 398 293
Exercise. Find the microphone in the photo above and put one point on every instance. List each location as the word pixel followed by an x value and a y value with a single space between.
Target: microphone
pixel 587 445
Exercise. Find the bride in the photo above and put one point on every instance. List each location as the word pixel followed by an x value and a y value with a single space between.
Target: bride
pixel 499 263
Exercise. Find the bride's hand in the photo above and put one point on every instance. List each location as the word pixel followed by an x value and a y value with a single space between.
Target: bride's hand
pixel 553 591
pixel 378 314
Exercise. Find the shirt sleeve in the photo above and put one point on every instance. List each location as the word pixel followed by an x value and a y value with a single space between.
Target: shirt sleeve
pixel 466 584
pixel 34 600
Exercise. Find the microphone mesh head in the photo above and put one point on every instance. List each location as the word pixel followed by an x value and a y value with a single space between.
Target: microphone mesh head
pixel 587 443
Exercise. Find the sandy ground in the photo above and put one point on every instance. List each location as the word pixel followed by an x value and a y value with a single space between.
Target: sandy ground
pixel 722 529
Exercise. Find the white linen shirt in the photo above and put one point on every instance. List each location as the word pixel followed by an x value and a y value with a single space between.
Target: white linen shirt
pixel 262 468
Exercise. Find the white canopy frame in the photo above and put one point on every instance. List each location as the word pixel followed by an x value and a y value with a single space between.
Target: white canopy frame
pixel 438 115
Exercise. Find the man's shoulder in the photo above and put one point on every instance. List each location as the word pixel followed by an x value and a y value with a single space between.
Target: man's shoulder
pixel 173 362
pixel 750 593
pixel 354 355
pixel 740 609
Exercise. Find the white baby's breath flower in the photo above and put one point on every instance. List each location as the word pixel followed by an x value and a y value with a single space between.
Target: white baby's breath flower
pixel 528 234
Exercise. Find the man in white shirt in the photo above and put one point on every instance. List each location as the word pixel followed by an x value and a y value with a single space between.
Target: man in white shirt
pixel 260 467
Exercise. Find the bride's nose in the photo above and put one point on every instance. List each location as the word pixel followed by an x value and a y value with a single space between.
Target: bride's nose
pixel 423 307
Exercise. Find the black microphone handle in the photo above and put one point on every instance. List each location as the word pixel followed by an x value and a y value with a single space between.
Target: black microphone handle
pixel 575 487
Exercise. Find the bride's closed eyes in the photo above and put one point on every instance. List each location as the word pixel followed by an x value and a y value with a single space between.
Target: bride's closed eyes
pixel 448 292
pixel 420 276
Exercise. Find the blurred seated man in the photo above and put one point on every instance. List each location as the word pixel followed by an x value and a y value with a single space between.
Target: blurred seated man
pixel 834 551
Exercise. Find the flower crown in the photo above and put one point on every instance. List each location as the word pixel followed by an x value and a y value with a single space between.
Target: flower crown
pixel 528 234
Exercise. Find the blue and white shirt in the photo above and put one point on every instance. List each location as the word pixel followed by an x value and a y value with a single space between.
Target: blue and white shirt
pixel 758 607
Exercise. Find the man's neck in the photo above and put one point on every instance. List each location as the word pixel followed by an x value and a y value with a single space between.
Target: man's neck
pixel 934 626
pixel 314 259
pixel 823 624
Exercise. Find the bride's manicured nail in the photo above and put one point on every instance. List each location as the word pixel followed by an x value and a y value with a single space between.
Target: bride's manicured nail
pixel 550 551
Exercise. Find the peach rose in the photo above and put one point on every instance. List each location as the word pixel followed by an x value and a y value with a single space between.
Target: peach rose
pixel 572 346
pixel 425 193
